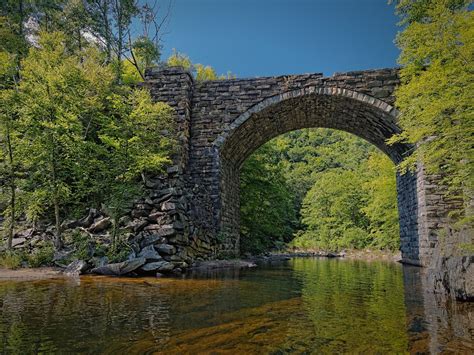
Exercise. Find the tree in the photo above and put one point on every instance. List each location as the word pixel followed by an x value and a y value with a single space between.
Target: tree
pixel 51 88
pixel 139 140
pixel 266 204
pixel 332 212
pixel 179 60
pixel 436 94
pixel 12 49
pixel 9 162
pixel 380 200
pixel 341 188
pixel 201 72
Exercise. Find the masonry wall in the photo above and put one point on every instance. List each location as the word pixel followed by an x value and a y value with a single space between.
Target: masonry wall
pixel 407 198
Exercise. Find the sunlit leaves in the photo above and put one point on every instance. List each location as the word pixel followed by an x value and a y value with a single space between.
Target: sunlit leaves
pixel 437 93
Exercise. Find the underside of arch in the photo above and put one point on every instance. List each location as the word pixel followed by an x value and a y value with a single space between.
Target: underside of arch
pixel 359 114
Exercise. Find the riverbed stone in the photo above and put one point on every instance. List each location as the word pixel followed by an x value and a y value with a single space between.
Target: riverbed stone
pixel 119 269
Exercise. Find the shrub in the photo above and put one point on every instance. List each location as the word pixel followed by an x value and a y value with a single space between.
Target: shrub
pixel 41 257
pixel 10 260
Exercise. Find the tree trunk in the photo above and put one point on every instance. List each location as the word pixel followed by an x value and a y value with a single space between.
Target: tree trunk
pixel 11 229
pixel 119 14
pixel 114 234
pixel 57 236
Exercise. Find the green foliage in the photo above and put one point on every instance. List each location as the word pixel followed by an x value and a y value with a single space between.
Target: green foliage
pixel 332 212
pixel 380 201
pixel 436 95
pixel 352 208
pixel 10 260
pixel 308 152
pixel 138 143
pixel 201 72
pixel 93 140
pixel 42 256
pixel 342 189
pixel 119 252
pixel 59 93
pixel 82 244
pixel 266 205
pixel 179 60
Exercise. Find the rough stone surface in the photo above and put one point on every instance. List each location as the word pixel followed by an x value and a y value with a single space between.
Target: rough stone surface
pixel 100 225
pixel 161 266
pixel 166 249
pixel 194 206
pixel 77 267
pixel 119 269
pixel 150 254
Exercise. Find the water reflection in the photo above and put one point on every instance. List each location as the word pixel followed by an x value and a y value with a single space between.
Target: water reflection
pixel 436 324
pixel 313 305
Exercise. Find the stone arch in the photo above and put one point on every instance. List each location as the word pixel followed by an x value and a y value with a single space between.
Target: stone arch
pixel 326 107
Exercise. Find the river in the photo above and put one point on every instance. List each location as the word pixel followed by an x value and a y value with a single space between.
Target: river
pixel 298 306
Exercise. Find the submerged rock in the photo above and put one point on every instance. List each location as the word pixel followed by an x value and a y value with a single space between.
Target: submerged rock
pixel 119 269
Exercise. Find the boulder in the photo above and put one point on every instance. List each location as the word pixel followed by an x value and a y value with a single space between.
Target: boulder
pixel 60 257
pixel 124 220
pixel 154 217
pixel 26 233
pixel 77 267
pixel 166 249
pixel 100 261
pixel 166 230
pixel 100 225
pixel 160 199
pixel 173 169
pixel 168 206
pixel 84 222
pixel 183 240
pixel 161 266
pixel 137 213
pixel 137 225
pixel 150 254
pixel 132 255
pixel 151 239
pixel 119 269
pixel 18 242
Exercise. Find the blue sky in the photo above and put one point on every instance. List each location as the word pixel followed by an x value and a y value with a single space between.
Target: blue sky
pixel 276 37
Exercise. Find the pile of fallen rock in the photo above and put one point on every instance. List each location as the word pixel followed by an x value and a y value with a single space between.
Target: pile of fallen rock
pixel 149 251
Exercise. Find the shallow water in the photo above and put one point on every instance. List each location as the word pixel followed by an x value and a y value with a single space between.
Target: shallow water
pixel 300 306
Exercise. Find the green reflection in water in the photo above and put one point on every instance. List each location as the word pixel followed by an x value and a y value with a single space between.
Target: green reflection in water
pixel 354 306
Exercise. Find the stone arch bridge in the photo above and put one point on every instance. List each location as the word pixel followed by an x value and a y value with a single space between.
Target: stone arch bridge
pixel 195 206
